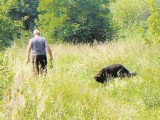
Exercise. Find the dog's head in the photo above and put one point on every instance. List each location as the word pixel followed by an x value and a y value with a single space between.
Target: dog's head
pixel 100 76
pixel 131 74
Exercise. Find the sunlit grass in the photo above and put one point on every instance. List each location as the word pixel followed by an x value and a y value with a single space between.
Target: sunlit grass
pixel 69 92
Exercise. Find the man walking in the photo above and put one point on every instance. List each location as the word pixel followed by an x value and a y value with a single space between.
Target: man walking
pixel 38 47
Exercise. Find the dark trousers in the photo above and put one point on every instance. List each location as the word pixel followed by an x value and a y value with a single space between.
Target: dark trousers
pixel 39 64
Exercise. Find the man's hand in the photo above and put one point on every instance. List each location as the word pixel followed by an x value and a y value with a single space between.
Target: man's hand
pixel 28 61
pixel 51 58
pixel 51 65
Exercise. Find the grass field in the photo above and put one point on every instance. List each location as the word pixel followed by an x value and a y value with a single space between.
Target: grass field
pixel 69 92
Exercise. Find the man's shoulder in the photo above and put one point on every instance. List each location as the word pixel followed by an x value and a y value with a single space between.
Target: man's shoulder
pixel 43 38
pixel 38 38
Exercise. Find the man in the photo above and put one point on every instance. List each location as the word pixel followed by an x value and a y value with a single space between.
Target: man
pixel 38 46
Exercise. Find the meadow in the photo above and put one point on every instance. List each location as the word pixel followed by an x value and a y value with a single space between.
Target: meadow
pixel 69 92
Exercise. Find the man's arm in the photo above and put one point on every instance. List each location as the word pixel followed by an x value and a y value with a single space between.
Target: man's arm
pixel 49 51
pixel 29 51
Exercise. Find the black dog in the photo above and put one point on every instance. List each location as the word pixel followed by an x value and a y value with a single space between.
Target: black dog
pixel 113 71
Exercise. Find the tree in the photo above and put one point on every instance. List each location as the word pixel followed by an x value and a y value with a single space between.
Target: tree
pixel 8 27
pixel 88 21
pixel 76 20
pixel 129 12
pixel 26 10
pixel 53 15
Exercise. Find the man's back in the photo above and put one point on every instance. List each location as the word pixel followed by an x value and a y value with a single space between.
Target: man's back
pixel 38 46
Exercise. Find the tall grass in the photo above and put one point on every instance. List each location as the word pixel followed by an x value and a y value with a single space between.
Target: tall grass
pixel 69 92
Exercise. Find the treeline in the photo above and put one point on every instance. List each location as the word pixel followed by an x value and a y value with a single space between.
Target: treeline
pixel 77 21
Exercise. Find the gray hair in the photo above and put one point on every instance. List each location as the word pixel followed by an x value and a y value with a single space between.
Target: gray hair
pixel 36 32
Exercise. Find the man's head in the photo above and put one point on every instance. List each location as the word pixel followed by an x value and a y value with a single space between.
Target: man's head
pixel 36 32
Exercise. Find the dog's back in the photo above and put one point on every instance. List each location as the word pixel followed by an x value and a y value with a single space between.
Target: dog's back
pixel 113 71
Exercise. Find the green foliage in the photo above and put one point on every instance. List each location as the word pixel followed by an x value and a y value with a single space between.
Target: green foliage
pixel 8 27
pixel 23 38
pixel 26 10
pixel 129 12
pixel 154 19
pixel 89 21
pixel 76 21
pixel 130 17
pixel 137 16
